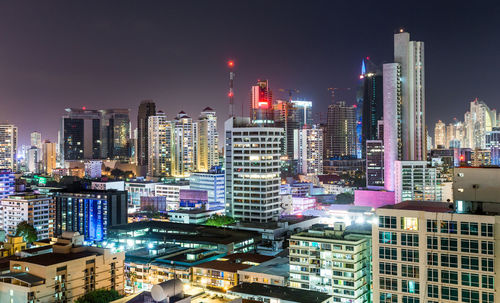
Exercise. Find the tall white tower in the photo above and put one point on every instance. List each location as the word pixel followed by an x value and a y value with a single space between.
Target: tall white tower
pixel 208 140
pixel 8 146
pixel 160 147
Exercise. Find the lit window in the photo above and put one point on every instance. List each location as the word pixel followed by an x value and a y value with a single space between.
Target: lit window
pixel 409 223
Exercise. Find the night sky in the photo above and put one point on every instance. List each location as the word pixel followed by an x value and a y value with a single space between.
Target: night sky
pixel 113 54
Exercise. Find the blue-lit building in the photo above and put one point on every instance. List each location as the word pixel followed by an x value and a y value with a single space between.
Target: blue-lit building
pixel 7 183
pixel 213 183
pixel 90 212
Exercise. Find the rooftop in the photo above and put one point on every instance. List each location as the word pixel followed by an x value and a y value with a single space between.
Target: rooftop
pixel 276 267
pixel 437 207
pixel 24 277
pixel 235 262
pixel 56 258
pixel 280 292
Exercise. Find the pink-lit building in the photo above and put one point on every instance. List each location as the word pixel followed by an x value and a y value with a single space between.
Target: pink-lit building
pixel 373 198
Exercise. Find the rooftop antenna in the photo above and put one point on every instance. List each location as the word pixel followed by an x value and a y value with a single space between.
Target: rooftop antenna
pixel 230 64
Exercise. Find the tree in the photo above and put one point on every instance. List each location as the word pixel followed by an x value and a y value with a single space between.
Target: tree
pixel 219 220
pixel 99 296
pixel 344 198
pixel 27 231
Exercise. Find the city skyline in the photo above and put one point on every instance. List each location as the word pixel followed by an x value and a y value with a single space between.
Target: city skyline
pixel 98 60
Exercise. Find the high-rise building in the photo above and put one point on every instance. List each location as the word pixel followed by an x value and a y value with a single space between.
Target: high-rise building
pixel 434 252
pixel 185 145
pixel 7 183
pixel 252 170
pixel 33 159
pixel 372 105
pixel 261 107
pixel 308 150
pixel 49 157
pixel 415 181
pixel 115 134
pixel 285 116
pixel 208 140
pixel 81 134
pixel 340 141
pixel 303 112
pixel 440 135
pixel 212 182
pixel 146 108
pixel 37 210
pixel 374 163
pixel 36 139
pixel 8 146
pixel 479 120
pixel 160 144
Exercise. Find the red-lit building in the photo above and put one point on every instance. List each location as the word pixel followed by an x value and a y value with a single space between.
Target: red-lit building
pixel 261 110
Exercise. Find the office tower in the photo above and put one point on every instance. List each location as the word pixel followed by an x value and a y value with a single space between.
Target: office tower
pixel 37 210
pixel 8 146
pixel 213 182
pixel 440 135
pixel 286 117
pixel 89 212
pixel 62 274
pixel 374 164
pixel 372 102
pixel 185 145
pixel 261 103
pixel 338 262
pixel 208 140
pixel 252 170
pixel 415 181
pixel 7 183
pixel 36 139
pixel 49 157
pixel 81 134
pixel 33 159
pixel 115 134
pixel 308 150
pixel 160 145
pixel 434 252
pixel 341 131
pixel 146 108
pixel 478 120
pixel 303 112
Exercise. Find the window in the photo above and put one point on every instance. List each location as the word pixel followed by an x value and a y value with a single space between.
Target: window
pixel 409 223
pixel 388 268
pixel 449 260
pixel 432 291
pixel 469 228
pixel 387 222
pixel 409 255
pixel 407 299
pixel 450 277
pixel 470 296
pixel 487 264
pixel 488 297
pixel 432 275
pixel 432 259
pixel 487 282
pixel 469 262
pixel 486 230
pixel 388 253
pixel 469 279
pixel 432 226
pixel 449 227
pixel 432 242
pixel 449 244
pixel 409 271
pixel 411 287
pixel 387 237
pixel 487 247
pixel 470 246
pixel 389 284
pixel 388 298
pixel 449 293
pixel 409 239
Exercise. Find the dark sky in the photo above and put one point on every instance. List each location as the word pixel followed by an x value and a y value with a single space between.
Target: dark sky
pixel 110 54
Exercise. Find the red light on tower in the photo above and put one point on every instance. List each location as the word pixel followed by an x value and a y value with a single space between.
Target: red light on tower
pixel 230 63
pixel 84 108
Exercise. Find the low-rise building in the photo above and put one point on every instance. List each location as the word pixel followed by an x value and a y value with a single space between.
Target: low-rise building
pixel 256 292
pixel 192 216
pixel 274 272
pixel 172 193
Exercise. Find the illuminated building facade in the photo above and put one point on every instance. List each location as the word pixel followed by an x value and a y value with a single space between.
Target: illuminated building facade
pixel 115 134
pixel 8 146
pixel 415 181
pixel 252 170
pixel 374 164
pixel 340 140
pixel 261 103
pixel 440 135
pixel 36 139
pixel 49 157
pixel 479 120
pixel 146 108
pixel 208 140
pixel 160 145
pixel 371 106
pixel 7 183
pixel 185 145
pixel 308 150
pixel 213 183
pixel 303 112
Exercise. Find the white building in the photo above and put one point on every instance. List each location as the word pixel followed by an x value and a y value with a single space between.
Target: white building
pixel 160 145
pixel 426 252
pixel 416 181
pixel 479 120
pixel 308 150
pixel 213 182
pixel 8 146
pixel 33 159
pixel 136 190
pixel 440 137
pixel 107 185
pixel 208 140
pixel 171 193
pixel 37 210
pixel 185 145
pixel 252 170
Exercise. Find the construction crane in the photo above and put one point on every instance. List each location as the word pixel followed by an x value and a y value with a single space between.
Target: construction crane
pixel 290 91
pixel 333 89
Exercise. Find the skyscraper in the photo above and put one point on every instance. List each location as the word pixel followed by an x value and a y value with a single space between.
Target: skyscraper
pixel 160 145
pixel 261 103
pixel 185 145
pixel 36 139
pixel 285 116
pixel 303 112
pixel 208 140
pixel 81 134
pixel 440 137
pixel 341 131
pixel 49 157
pixel 8 146
pixel 252 170
pixel 146 108
pixel 479 120
pixel 308 150
pixel 374 164
pixel 372 105
pixel 115 134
